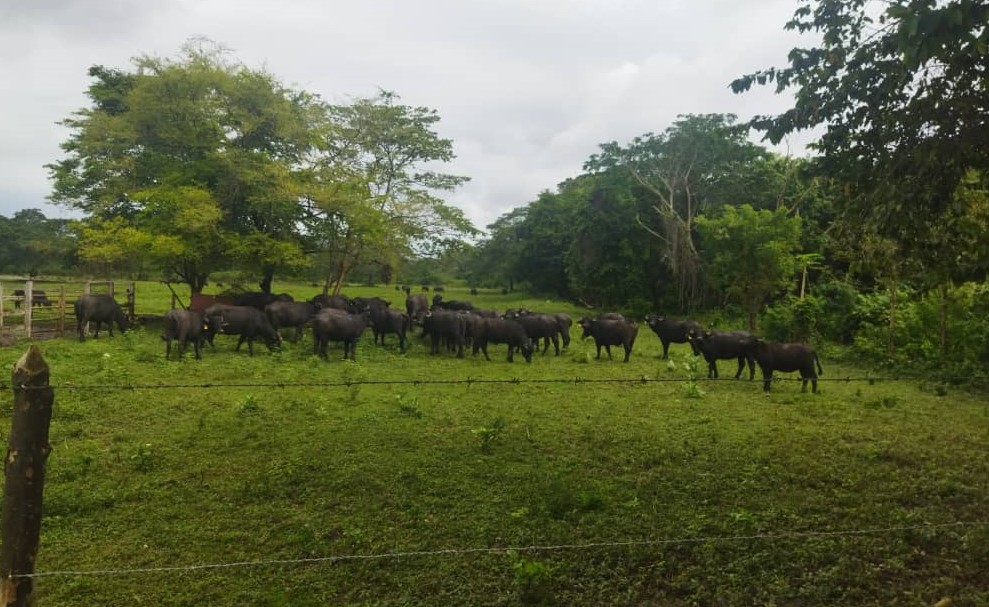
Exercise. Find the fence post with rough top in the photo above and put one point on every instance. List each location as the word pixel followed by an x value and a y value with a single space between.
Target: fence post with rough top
pixel 24 478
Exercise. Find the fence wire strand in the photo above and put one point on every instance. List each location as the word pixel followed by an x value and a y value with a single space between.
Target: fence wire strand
pixel 789 535
pixel 469 381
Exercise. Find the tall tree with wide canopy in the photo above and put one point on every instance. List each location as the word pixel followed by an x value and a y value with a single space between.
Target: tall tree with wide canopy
pixel 902 93
pixel 374 195
pixel 693 165
pixel 201 154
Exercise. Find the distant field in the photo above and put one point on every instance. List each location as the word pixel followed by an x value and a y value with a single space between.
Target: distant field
pixel 670 491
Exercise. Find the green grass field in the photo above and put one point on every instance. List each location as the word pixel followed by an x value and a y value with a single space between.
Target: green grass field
pixel 673 491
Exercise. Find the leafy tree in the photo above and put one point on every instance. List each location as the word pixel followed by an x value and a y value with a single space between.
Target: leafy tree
pixel 373 195
pixel 201 155
pixel 35 244
pixel 609 256
pixel 749 254
pixel 692 166
pixel 901 97
pixel 499 255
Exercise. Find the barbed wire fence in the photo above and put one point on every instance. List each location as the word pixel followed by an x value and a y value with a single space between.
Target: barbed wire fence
pixel 457 552
pixel 470 381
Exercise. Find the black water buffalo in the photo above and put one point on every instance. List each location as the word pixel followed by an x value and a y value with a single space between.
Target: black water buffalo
pixel 461 306
pixel 672 331
pixel 246 321
pixel 336 302
pixel 259 299
pixel 610 332
pixel 540 326
pixel 336 325
pixel 724 345
pixel 416 306
pixel 787 357
pixel 99 308
pixel 290 314
pixel 185 326
pixel 384 320
pixel 563 324
pixel 359 304
pixel 444 326
pixel 38 298
pixel 502 331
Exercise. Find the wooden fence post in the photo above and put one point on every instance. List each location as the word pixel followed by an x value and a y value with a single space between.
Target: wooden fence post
pixel 24 483
pixel 28 305
pixel 1 305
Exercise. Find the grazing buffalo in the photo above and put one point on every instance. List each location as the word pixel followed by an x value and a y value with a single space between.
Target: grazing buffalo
pixel 787 357
pixel 502 331
pixel 450 328
pixel 718 345
pixel 359 304
pixel 336 325
pixel 38 298
pixel 99 308
pixel 610 332
pixel 336 302
pixel 259 299
pixel 290 314
pixel 563 324
pixel 539 326
pixel 185 326
pixel 416 306
pixel 246 321
pixel 384 320
pixel 461 306
pixel 672 331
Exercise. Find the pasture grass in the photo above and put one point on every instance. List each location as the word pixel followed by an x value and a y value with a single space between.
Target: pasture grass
pixel 674 492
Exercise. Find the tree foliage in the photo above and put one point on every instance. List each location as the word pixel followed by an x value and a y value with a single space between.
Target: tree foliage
pixel 200 154
pixel 374 195
pixel 35 244
pixel 690 167
pixel 901 95
pixel 750 254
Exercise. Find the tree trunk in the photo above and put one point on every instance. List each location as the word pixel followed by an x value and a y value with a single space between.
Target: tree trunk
pixel 943 320
pixel 24 470
pixel 891 343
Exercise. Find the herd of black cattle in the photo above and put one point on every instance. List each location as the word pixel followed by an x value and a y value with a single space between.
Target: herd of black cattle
pixel 453 325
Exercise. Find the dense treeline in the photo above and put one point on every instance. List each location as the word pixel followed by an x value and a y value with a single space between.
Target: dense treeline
pixel 34 244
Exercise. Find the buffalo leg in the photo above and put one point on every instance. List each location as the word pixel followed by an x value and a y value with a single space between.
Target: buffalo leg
pixel 556 344
pixel 741 366
pixel 628 352
pixel 767 380
pixel 666 349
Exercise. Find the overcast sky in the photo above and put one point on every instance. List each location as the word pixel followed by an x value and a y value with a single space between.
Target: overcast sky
pixel 526 89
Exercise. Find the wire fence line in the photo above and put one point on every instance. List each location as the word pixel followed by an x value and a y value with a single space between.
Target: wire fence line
pixel 468 381
pixel 787 535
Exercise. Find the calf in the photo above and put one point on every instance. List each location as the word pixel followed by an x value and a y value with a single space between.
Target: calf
pixel 99 308
pixel 609 333
pixel 184 326
pixel 787 357
pixel 672 331
pixel 336 325
pixel 290 314
pixel 502 331
pixel 716 345
pixel 246 321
